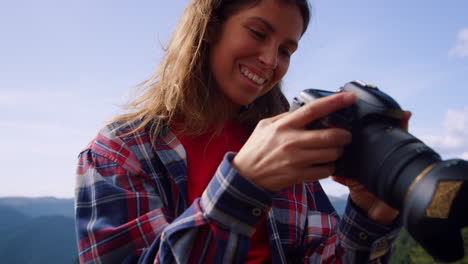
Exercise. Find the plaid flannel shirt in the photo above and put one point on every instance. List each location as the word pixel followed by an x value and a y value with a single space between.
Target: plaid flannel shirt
pixel 131 208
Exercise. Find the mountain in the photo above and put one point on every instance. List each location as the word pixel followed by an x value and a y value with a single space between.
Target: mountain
pixel 11 218
pixel 408 251
pixel 37 230
pixel 41 206
pixel 339 203
pixel 44 239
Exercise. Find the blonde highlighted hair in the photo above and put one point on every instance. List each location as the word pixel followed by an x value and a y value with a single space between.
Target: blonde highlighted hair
pixel 182 86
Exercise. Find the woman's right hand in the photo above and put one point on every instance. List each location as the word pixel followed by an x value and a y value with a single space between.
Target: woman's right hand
pixel 281 152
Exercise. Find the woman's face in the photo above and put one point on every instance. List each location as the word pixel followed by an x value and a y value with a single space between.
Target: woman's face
pixel 251 53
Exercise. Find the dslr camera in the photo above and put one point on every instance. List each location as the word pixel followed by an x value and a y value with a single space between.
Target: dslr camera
pixel 431 193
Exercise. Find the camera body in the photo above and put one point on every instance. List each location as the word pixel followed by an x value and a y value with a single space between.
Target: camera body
pixel 371 103
pixel 399 168
pixel 372 106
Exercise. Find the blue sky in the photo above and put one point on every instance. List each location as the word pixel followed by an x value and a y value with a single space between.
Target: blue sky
pixel 67 66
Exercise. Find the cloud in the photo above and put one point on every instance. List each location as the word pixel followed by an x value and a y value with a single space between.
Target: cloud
pixel 456 122
pixel 461 47
pixel 48 139
pixel 454 137
pixel 451 143
pixel 39 158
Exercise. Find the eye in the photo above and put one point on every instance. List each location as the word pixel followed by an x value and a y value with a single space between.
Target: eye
pixel 257 34
pixel 285 52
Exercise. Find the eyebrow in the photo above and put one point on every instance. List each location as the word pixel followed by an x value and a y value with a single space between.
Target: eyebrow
pixel 272 29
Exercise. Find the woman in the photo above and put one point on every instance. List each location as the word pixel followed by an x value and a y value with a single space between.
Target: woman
pixel 208 167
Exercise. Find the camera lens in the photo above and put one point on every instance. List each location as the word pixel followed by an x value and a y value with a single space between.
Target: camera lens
pixel 390 160
pixel 431 194
pixel 409 176
pixel 436 209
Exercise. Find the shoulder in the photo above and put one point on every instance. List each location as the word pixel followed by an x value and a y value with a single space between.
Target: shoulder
pixel 123 134
pixel 132 146
pixel 119 141
pixel 123 131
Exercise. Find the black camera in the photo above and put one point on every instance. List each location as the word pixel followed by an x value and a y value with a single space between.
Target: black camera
pixel 431 194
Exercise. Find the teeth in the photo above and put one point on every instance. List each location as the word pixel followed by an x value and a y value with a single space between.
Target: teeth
pixel 252 76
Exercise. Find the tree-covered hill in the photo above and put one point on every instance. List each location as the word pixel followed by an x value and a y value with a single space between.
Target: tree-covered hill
pixel 37 230
pixel 44 239
pixel 41 206
pixel 10 219
pixel 407 251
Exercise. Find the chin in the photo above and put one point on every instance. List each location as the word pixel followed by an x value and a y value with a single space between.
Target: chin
pixel 245 102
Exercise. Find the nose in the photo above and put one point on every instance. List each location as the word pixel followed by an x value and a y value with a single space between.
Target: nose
pixel 269 56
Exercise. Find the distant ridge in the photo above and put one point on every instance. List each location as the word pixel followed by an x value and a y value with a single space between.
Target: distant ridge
pixel 40 206
pixel 10 219
pixel 37 230
pixel 339 202
pixel 44 239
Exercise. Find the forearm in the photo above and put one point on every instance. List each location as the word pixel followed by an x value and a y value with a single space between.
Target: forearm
pixel 231 207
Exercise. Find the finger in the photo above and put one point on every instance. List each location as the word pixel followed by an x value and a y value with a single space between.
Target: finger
pixel 305 158
pixel 317 172
pixel 318 109
pixel 405 121
pixel 278 117
pixel 323 138
pixel 340 180
pixel 270 120
pixel 351 183
pixel 354 185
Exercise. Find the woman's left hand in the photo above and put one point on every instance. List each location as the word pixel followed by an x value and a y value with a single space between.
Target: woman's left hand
pixel 377 210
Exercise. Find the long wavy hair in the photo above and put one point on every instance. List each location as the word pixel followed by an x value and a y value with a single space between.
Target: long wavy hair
pixel 182 86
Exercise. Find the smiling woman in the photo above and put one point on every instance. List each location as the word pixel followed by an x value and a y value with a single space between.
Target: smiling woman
pixel 250 55
pixel 208 166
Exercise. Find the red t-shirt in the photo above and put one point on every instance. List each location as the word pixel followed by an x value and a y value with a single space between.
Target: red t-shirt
pixel 204 154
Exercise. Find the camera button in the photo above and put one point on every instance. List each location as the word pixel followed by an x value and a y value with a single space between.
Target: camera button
pixel 256 211
pixel 363 236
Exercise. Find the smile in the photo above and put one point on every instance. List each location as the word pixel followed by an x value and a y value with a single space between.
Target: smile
pixel 252 76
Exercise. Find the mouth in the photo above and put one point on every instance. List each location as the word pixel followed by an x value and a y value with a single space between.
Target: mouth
pixel 252 76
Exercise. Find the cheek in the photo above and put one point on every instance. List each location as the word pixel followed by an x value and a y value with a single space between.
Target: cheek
pixel 281 71
pixel 217 58
pixel 278 75
pixel 225 54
